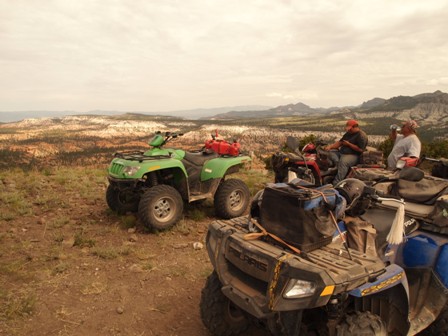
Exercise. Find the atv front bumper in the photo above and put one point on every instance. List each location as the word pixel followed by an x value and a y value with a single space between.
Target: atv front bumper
pixel 261 277
pixel 125 183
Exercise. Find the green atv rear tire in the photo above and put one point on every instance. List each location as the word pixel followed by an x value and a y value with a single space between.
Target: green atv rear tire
pixel 121 201
pixel 218 313
pixel 231 199
pixel 160 207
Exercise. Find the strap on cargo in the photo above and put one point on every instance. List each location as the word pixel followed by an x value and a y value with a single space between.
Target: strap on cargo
pixel 263 232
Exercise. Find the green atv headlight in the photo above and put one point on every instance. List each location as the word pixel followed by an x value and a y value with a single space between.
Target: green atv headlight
pixel 299 288
pixel 130 170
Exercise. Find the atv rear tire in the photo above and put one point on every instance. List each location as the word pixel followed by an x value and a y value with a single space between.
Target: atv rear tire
pixel 362 324
pixel 218 313
pixel 160 207
pixel 121 201
pixel 231 199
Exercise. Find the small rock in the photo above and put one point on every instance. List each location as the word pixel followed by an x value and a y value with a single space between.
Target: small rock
pixel 69 242
pixel 198 246
pixel 132 230
pixel 136 268
pixel 62 256
pixel 120 310
pixel 133 238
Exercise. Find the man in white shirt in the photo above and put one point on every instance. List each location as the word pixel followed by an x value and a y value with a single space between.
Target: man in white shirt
pixel 407 144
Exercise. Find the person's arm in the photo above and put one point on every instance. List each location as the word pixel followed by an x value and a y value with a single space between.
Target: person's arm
pixel 359 142
pixel 393 132
pixel 336 145
pixel 352 146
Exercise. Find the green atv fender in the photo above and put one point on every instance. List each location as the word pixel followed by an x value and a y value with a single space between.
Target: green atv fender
pixel 122 169
pixel 219 167
pixel 174 153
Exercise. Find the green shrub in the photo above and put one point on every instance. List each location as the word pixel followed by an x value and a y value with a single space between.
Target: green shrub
pixel 17 304
pixel 82 241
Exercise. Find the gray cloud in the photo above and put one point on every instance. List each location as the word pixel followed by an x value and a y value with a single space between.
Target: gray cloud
pixel 166 55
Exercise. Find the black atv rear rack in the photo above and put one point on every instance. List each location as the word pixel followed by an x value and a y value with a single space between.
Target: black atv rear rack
pixel 138 156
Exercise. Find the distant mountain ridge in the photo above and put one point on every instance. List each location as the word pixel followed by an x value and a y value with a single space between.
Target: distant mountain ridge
pixel 187 114
pixel 422 106
pixel 299 109
pixel 409 102
pixel 432 108
pixel 372 103
pixel 426 108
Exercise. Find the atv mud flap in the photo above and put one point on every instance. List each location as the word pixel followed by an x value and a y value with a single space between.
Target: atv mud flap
pixel 123 184
pixel 255 274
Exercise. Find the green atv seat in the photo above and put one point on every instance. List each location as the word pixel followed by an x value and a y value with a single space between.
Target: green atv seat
pixel 199 158
pixel 193 163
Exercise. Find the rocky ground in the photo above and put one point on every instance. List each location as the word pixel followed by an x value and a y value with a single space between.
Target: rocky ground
pixel 70 266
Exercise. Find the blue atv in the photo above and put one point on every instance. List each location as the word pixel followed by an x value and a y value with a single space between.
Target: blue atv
pixel 293 268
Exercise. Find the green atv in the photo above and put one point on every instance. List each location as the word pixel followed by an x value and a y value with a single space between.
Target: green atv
pixel 156 183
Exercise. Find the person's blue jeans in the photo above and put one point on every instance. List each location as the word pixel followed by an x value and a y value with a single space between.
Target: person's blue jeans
pixel 344 162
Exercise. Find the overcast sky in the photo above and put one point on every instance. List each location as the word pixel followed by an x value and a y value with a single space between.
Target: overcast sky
pixel 164 55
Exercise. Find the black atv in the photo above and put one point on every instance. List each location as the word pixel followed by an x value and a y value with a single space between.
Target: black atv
pixel 293 269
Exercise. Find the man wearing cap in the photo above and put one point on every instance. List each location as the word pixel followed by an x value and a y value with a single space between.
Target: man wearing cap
pixel 407 144
pixel 349 149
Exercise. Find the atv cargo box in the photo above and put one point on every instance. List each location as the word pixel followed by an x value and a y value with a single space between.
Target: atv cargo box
pixel 300 217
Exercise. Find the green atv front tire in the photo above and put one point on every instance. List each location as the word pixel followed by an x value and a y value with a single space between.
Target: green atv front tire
pixel 160 207
pixel 231 199
pixel 121 201
pixel 218 313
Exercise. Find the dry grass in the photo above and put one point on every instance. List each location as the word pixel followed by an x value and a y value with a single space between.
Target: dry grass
pixel 17 304
pixel 60 242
